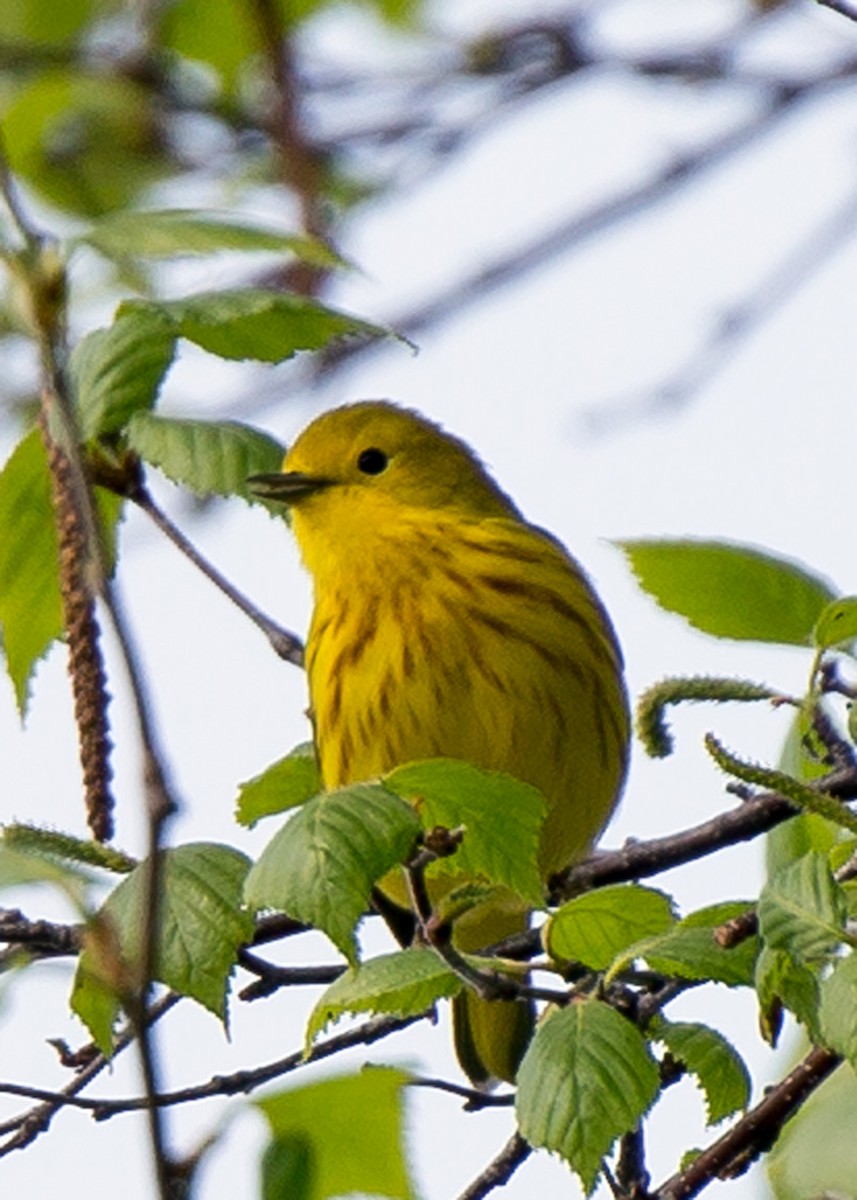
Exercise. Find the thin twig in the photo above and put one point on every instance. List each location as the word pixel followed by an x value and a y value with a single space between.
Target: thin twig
pixel 475 1098
pixel 638 860
pixel 846 8
pixel 239 1082
pixel 27 1127
pixel 500 1170
pixel 287 645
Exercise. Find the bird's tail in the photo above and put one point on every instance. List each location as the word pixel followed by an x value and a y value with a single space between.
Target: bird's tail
pixel 490 1035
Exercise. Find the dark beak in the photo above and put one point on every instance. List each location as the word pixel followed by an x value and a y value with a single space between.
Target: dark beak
pixel 286 486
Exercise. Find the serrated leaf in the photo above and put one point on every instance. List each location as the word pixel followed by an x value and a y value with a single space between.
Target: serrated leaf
pixel 837 1013
pixel 353 1129
pixel 731 591
pixel 837 624
pixel 502 818
pixel 202 924
pixel 402 984
pixel 286 784
pixel 597 927
pixel 803 910
pixel 690 950
pixel 118 371
pixel 321 866
pixel 256 324
pixel 586 1079
pixel 780 980
pixel 173 232
pixel 717 1066
pixel 212 458
pixel 30 606
pixel 20 867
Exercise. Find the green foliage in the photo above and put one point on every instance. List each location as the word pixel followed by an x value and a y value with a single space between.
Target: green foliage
pixel 211 458
pixel 782 980
pixel 719 1070
pixel 30 606
pixel 501 816
pixel 691 951
pixel 342 1135
pixel 252 323
pixel 173 233
pixel 201 926
pixel 837 624
pixel 286 784
pixel 118 371
pixel 403 984
pixel 321 866
pixel 20 867
pixel 838 1009
pixel 587 1078
pixel 803 910
pixel 731 591
pixel 84 141
pixel 596 928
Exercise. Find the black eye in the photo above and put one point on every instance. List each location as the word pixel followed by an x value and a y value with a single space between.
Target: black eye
pixel 372 461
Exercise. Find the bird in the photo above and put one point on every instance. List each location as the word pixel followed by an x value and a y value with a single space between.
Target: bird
pixel 444 624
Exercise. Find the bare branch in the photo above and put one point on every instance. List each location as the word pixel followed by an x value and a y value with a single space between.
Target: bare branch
pixel 733 1153
pixel 500 1170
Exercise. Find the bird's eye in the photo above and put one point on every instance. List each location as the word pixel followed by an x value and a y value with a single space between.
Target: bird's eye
pixel 372 461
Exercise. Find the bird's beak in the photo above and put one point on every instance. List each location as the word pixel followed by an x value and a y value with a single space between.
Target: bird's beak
pixel 287 486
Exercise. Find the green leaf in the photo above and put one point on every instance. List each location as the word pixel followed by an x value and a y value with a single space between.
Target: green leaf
pixel 253 323
pixel 172 232
pixel 83 139
pixel 586 1079
pixel 403 984
pixel 837 1012
pixel 803 910
pixel 352 1129
pixel 286 784
pixel 21 867
pixel 781 980
pixel 502 818
pixel 690 950
pixel 212 458
pixel 837 624
pixel 288 1169
pixel 118 371
pixel 30 605
pixel 43 22
pixel 717 1066
pixel 202 926
pixel 595 928
pixel 321 866
pixel 731 591
pixel 226 45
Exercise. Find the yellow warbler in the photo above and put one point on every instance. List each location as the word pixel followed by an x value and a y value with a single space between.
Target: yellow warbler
pixel 445 625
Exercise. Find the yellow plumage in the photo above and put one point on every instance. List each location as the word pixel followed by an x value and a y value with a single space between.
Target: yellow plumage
pixel 446 625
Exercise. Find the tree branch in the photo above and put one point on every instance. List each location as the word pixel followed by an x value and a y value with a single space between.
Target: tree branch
pixel 500 1170
pixel 733 1153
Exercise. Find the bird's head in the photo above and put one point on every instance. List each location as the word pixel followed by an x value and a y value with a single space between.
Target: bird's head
pixel 373 457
